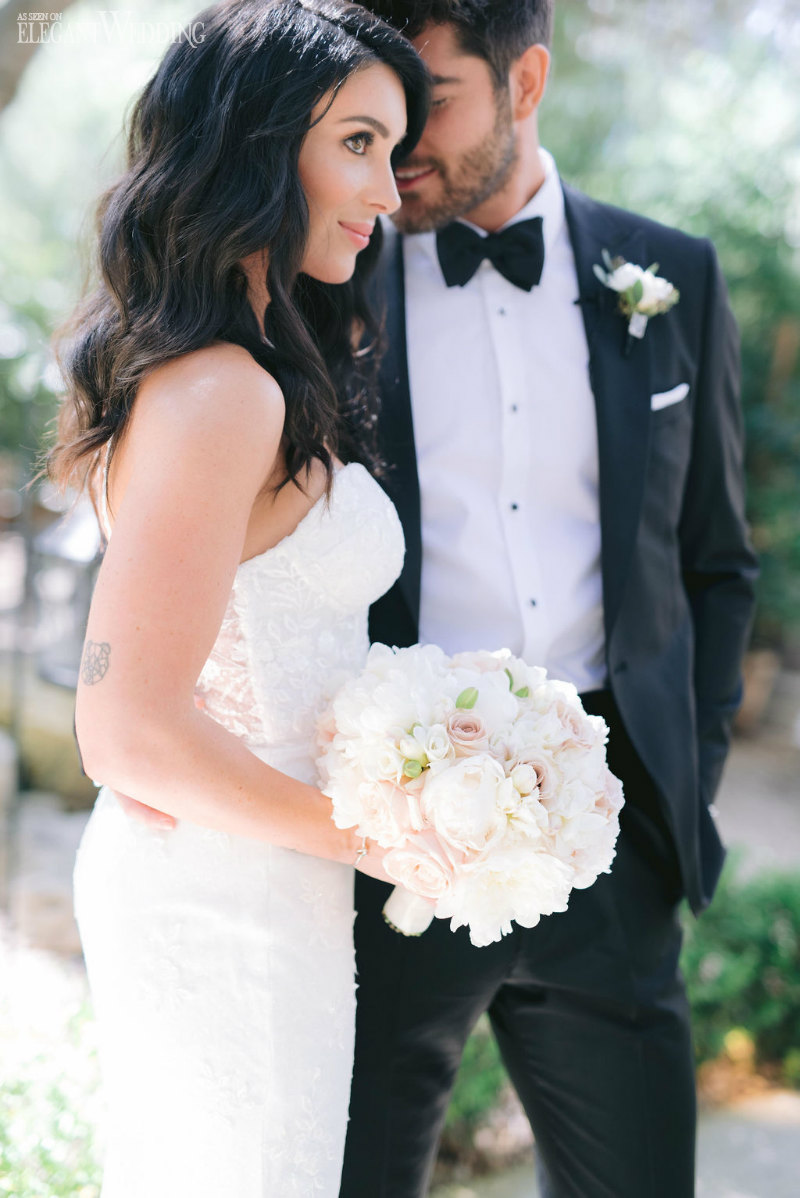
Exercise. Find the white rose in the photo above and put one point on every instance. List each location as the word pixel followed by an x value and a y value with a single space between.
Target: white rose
pixel 625 277
pixel 525 779
pixel 466 803
pixel 656 291
pixel 380 762
pixel 437 743
pixel 412 747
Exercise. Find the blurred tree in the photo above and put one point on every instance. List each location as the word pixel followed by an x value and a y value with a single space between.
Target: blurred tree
pixel 19 41
pixel 60 145
pixel 688 111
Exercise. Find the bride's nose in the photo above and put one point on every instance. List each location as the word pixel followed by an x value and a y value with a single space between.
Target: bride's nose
pixel 383 193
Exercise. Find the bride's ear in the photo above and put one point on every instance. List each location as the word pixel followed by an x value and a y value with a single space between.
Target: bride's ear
pixel 528 77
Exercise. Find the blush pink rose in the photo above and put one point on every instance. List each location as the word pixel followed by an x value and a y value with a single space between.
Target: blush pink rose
pixel 580 732
pixel 467 733
pixel 420 866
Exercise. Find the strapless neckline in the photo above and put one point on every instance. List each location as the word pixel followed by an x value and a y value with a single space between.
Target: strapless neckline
pixel 105 524
pixel 265 553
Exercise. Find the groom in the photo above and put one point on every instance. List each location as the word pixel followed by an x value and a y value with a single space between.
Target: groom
pixel 573 492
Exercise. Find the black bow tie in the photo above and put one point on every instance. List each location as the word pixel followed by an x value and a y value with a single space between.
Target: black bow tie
pixel 517 252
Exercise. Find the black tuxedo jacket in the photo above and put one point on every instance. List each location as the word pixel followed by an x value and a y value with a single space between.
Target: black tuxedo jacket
pixel 678 570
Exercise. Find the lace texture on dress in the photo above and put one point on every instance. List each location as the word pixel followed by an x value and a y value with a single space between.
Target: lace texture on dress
pixel 222 969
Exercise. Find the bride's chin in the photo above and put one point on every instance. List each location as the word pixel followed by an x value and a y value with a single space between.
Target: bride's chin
pixel 334 271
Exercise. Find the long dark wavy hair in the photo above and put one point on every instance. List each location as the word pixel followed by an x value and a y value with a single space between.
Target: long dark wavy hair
pixel 212 176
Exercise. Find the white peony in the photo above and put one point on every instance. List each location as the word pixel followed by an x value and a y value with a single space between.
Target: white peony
pixel 466 804
pixel 511 884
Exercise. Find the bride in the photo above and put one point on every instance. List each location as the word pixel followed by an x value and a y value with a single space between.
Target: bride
pixel 220 415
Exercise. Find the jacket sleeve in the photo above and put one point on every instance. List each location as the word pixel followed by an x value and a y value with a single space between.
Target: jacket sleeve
pixel 718 562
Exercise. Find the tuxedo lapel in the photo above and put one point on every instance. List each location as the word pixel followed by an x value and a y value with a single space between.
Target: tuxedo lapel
pixel 397 424
pixel 621 386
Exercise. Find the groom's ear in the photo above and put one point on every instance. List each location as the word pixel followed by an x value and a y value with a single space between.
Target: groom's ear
pixel 527 77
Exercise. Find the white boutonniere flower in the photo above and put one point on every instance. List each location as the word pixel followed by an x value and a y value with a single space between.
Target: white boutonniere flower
pixel 642 293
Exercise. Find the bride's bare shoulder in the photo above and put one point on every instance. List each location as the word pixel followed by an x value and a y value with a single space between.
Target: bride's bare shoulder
pixel 218 386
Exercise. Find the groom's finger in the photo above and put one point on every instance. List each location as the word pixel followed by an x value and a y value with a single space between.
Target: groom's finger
pixel 143 813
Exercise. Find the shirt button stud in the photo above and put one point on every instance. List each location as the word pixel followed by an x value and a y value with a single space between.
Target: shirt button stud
pixel 514 506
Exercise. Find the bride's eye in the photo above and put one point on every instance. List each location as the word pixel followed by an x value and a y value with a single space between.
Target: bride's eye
pixel 358 142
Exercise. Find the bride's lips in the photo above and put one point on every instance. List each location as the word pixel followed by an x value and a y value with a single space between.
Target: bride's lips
pixel 409 177
pixel 360 232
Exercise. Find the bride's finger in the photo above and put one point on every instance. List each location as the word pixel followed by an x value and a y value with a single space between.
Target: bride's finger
pixel 143 813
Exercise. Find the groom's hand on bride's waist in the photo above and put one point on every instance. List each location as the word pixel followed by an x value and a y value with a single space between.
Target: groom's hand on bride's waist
pixel 143 813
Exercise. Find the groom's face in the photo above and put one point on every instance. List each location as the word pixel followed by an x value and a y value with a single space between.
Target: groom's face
pixel 467 151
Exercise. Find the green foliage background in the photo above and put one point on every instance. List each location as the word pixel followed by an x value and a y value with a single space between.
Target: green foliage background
pixel 741 961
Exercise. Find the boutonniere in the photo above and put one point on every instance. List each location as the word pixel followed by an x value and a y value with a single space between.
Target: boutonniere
pixel 642 293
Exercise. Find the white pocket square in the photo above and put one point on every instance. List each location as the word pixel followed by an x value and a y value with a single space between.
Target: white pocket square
pixel 664 398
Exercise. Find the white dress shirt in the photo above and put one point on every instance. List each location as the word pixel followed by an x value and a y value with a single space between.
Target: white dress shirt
pixel 506 440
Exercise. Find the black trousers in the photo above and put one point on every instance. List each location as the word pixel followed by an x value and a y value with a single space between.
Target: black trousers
pixel 588 1008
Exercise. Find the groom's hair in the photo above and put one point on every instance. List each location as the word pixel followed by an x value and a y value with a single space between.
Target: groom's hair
pixel 498 31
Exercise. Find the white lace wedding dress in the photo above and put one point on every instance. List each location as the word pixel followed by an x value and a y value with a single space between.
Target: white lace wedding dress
pixel 222 969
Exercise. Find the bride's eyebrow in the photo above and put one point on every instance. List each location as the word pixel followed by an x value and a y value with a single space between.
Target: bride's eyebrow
pixel 378 126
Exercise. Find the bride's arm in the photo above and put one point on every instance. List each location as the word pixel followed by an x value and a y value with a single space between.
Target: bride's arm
pixel 204 437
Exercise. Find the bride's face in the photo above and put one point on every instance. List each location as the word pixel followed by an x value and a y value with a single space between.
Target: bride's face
pixel 345 169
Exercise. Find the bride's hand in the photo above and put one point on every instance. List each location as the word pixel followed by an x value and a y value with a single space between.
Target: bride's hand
pixel 143 813
pixel 371 862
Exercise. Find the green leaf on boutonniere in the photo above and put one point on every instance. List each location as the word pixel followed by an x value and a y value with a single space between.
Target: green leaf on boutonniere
pixel 609 261
pixel 468 698
pixel 653 269
pixel 510 678
pixel 637 291
pixel 412 768
pixel 522 693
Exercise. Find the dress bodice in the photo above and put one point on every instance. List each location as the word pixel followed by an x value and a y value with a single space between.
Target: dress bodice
pixel 296 620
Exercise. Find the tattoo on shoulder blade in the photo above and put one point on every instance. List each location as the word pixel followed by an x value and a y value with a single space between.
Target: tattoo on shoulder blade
pixel 95 662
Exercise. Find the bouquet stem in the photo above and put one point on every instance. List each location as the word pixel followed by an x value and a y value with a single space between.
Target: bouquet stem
pixel 407 913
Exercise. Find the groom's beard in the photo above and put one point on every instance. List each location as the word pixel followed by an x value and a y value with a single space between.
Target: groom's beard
pixel 465 183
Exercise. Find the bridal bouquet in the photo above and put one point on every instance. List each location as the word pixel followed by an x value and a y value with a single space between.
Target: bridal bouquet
pixel 485 780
